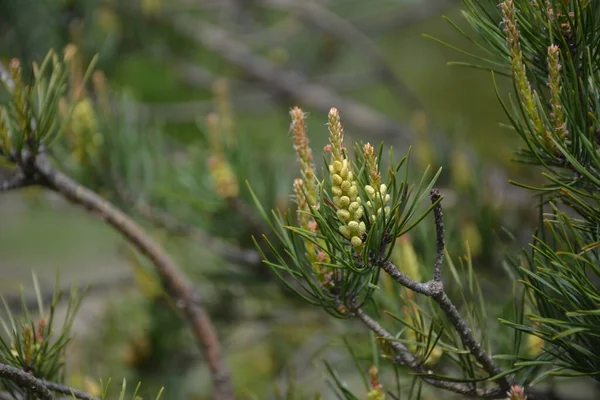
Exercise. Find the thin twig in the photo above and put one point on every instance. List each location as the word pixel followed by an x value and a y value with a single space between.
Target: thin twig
pixel 25 380
pixel 61 389
pixel 405 357
pixel 435 289
pixel 174 281
pixel 438 216
pixel 287 82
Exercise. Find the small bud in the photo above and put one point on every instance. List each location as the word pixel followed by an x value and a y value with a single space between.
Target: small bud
pixel 344 172
pixel 336 179
pixel 362 228
pixel 352 192
pixel 358 213
pixel 337 166
pixel 344 230
pixel 343 215
pixel 356 241
pixel 344 202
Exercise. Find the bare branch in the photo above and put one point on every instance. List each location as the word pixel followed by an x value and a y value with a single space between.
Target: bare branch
pixel 25 380
pixel 61 389
pixel 287 82
pixel 16 181
pixel 438 216
pixel 42 388
pixel 405 357
pixel 174 281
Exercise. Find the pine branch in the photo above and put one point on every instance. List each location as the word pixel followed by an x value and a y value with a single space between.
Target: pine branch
pixel 174 281
pixel 405 357
pixel 16 181
pixel 61 389
pixel 25 380
pixel 435 290
pixel 438 216
pixel 40 387
pixel 319 16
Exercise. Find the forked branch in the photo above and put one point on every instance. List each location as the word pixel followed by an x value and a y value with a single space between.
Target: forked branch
pixel 435 289
pixel 403 356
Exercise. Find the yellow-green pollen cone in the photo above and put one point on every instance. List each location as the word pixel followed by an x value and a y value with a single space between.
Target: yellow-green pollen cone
pixel 343 185
pixel 377 201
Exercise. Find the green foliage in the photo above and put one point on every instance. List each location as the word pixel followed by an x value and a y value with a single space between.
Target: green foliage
pixel 30 122
pixel 36 345
pixel 551 52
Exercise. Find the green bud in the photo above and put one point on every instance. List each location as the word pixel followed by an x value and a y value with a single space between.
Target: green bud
pixel 356 241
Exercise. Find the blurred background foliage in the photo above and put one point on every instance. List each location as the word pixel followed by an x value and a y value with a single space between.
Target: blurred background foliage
pixel 149 145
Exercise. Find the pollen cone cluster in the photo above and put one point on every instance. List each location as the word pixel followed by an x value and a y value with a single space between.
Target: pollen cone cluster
pixel 343 185
pixel 376 191
pixel 305 189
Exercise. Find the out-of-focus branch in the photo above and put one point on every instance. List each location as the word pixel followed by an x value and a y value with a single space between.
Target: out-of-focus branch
pixel 287 82
pixel 175 282
pixel 17 181
pixel 320 17
pixel 248 98
pixel 402 17
pixel 201 77
pixel 25 380
pixel 40 387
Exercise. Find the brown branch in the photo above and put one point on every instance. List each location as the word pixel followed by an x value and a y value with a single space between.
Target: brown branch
pixel 287 82
pixel 435 290
pixel 438 216
pixel 25 380
pixel 405 357
pixel 71 392
pixel 174 281
pixel 16 181
pixel 40 387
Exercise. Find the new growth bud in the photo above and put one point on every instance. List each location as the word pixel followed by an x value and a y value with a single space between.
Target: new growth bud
pixel 376 191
